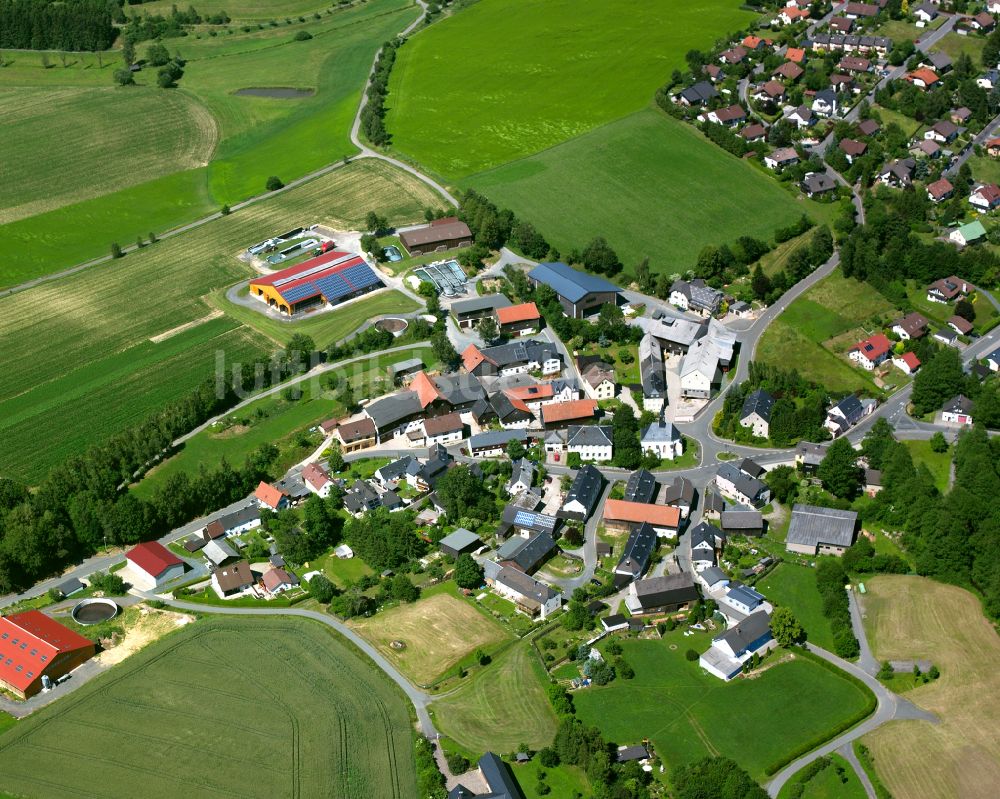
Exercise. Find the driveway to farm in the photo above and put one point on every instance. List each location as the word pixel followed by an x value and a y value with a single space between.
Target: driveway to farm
pixel 419 699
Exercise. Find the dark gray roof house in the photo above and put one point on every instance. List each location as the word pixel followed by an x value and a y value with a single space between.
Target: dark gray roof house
pixel 581 499
pixel 752 468
pixel 680 492
pixel 526 554
pixel 758 402
pixel 500 783
pixel 515 518
pixel 637 551
pixel 753 629
pixel 641 487
pixel 742 522
pixel 818 183
pixel 658 593
pixel 699 94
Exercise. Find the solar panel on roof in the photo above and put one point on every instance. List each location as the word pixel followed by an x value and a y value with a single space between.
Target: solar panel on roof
pixel 333 287
pixel 299 293
pixel 360 276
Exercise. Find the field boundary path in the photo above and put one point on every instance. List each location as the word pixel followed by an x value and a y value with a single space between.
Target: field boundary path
pixel 365 152
pixel 418 698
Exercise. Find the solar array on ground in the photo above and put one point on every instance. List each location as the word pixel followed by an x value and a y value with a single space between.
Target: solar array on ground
pixel 445 275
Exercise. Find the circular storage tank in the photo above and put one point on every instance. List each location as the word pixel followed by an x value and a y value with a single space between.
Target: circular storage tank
pixel 393 325
pixel 94 611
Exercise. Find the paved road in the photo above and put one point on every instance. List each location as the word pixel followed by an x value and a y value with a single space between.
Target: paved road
pixel 866 660
pixel 890 707
pixel 991 129
pixel 419 699
pixel 847 752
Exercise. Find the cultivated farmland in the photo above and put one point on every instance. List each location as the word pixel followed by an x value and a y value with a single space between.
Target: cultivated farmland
pixel 556 69
pixel 437 632
pixel 914 617
pixel 503 707
pixel 155 132
pixel 647 183
pixel 195 714
pixel 689 714
pixel 160 183
pixel 82 337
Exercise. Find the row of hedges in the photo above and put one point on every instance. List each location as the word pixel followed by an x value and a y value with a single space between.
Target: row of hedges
pixel 838 728
pixel 830 581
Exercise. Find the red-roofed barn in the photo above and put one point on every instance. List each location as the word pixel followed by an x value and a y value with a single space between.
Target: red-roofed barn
pixel 152 564
pixel 332 277
pixel 33 645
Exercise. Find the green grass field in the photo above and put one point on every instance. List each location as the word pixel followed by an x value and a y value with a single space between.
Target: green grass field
pixel 828 784
pixel 794 586
pixel 689 715
pixel 503 707
pixel 240 10
pixel 650 184
pixel 161 132
pixel 80 363
pixel 553 69
pixel 938 463
pixel 955 45
pixel 802 334
pixel 155 159
pixel 194 714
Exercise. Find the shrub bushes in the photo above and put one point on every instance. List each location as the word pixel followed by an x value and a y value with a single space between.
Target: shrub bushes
pixel 830 580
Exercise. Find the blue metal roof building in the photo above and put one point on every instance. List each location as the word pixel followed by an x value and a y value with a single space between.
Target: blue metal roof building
pixel 578 292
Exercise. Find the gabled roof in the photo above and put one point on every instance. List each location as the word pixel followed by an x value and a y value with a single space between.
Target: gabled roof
pixel 440 425
pixel 555 412
pixel 425 389
pixel 234 577
pixel 853 147
pixel 641 487
pixel 743 635
pixel 759 402
pixel 958 404
pixel 962 325
pixel 526 554
pixel 277 577
pixel 570 283
pixel 636 512
pixel 586 488
pixel 699 93
pixel 940 188
pixel 873 347
pixel 446 229
pixel 812 525
pixel 588 436
pixel 524 312
pixel 460 540
pixel 913 324
pixel 357 430
pixel 911 360
pixel 638 550
pixel 46 640
pixel 153 558
pixel 489 302
pixel 315 475
pixel 660 432
pixel 269 495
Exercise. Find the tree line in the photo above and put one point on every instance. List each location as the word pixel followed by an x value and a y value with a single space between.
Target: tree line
pixel 50 25
pixel 373 115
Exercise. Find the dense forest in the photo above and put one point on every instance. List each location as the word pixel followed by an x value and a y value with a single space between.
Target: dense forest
pixel 48 25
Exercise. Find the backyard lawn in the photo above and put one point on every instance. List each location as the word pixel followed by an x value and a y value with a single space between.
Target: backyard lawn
pixel 939 463
pixel 794 586
pixel 689 714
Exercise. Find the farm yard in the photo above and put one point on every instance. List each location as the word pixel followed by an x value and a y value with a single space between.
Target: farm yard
pixel 915 617
pixel 83 198
pixel 689 714
pixel 79 344
pixel 558 73
pixel 437 633
pixel 645 183
pixel 504 706
pixel 144 728
pixel 816 330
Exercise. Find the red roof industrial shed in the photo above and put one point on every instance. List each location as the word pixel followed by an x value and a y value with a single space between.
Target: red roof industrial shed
pixel 152 557
pixel 32 645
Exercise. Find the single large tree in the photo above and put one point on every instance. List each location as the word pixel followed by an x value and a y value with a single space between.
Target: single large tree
pixel 468 573
pixel 785 628
pixel 839 470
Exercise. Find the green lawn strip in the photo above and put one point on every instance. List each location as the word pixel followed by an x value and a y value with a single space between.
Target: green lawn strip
pixel 556 67
pixel 907 124
pixel 6 722
pixel 778 258
pixel 689 714
pixel 47 242
pixel 864 757
pixel 621 179
pixel 984 168
pixel 939 463
pixel 954 45
pixel 827 784
pixel 795 587
pixel 153 701
pixel 324 328
pixel 563 780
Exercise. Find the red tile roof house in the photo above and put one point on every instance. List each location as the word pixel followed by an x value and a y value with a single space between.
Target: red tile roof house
pixel 621 515
pixel 993 147
pixel 940 190
pixel 796 54
pixel 268 496
pixel 733 56
pixel 519 320
pixel 907 362
pixel 32 645
pixel 755 131
pixel 985 197
pixel 871 352
pixel 789 70
pixel 278 580
pixel 923 78
pixel 150 565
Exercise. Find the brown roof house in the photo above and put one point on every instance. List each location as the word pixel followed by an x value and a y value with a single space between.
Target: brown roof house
pixel 232 579
pixel 913 325
pixel 940 190
pixel 853 149
pixel 440 235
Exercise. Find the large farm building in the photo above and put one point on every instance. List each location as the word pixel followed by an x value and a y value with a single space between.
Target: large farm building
pixel 332 278
pixel 33 645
